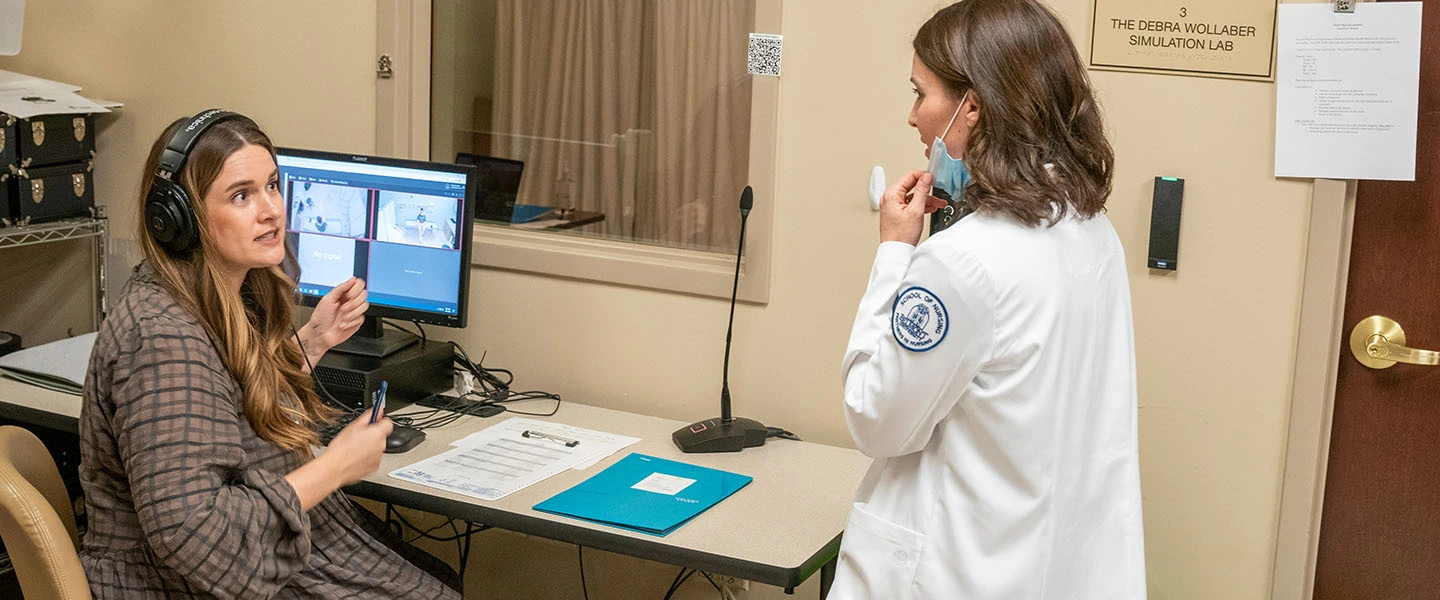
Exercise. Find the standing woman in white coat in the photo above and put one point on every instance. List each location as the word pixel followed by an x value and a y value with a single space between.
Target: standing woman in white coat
pixel 991 371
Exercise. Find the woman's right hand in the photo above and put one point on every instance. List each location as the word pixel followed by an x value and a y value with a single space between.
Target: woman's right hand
pixel 357 449
pixel 354 453
pixel 904 206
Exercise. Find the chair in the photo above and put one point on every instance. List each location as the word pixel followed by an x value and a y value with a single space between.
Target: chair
pixel 37 522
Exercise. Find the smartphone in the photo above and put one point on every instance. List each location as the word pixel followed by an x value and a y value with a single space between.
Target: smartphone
pixel 947 215
pixel 377 405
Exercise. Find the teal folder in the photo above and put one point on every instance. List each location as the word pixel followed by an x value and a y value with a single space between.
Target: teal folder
pixel 646 494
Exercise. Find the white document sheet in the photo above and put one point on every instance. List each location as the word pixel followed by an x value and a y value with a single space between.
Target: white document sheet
pixel 511 455
pixel 62 362
pixel 10 80
pixel 1347 91
pixel 46 101
pixel 597 444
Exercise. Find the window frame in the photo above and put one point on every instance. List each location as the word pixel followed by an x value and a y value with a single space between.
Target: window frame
pixel 402 129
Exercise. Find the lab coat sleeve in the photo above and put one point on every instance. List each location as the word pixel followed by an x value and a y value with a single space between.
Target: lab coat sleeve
pixel 894 394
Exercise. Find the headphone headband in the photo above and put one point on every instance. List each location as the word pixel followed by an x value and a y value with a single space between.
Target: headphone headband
pixel 178 150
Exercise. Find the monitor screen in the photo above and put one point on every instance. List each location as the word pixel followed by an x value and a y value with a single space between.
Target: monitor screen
pixel 497 184
pixel 400 225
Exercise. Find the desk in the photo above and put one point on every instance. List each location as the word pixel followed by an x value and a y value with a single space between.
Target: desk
pixel 540 217
pixel 779 530
pixel 24 403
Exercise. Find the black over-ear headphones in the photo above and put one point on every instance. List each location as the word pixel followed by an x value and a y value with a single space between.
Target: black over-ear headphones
pixel 169 215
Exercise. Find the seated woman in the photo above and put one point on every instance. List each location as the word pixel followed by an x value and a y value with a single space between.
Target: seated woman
pixel 199 417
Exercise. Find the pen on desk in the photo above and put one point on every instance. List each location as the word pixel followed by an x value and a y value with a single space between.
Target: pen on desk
pixel 531 433
pixel 378 404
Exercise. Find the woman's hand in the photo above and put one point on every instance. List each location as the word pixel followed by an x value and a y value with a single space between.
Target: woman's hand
pixel 904 206
pixel 354 453
pixel 358 448
pixel 337 317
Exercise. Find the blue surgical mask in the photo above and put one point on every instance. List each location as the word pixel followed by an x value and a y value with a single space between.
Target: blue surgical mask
pixel 950 173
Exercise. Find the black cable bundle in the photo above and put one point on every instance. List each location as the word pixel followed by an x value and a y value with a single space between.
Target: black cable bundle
pixel 491 396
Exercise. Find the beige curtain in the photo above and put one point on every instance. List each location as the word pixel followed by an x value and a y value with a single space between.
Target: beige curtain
pixel 702 129
pixel 636 108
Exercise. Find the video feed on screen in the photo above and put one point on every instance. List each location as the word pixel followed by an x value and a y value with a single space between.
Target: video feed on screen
pixel 417 219
pixel 326 260
pixel 329 209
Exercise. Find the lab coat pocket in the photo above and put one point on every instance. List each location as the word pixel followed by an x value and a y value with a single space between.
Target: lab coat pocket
pixel 878 559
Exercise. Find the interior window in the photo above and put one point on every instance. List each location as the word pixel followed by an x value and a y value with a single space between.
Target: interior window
pixel 619 119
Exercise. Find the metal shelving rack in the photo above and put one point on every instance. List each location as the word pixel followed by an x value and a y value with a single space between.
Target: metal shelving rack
pixel 68 229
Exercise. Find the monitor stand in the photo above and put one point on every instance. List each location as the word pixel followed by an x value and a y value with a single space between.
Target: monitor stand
pixel 373 339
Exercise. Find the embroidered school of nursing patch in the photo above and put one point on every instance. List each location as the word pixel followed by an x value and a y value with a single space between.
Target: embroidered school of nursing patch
pixel 919 320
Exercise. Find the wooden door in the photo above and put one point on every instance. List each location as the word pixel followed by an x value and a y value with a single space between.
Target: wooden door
pixel 1380 529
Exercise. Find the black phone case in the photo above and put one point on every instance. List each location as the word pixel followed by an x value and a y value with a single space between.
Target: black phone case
pixel 952 212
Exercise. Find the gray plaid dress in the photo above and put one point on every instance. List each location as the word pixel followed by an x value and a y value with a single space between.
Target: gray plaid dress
pixel 185 500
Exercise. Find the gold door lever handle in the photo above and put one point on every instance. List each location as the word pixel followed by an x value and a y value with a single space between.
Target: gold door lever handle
pixel 1379 342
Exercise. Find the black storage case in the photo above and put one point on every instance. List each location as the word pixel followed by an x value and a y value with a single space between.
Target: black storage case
pixel 39 194
pixel 9 144
pixel 54 139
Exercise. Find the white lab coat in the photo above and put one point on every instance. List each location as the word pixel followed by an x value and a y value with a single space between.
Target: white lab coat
pixel 991 375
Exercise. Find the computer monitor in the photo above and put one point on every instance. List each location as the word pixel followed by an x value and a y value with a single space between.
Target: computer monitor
pixel 497 184
pixel 403 226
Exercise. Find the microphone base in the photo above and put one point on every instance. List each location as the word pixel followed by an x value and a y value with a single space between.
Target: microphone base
pixel 714 435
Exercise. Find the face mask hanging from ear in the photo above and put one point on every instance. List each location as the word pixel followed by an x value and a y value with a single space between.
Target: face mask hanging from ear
pixel 950 173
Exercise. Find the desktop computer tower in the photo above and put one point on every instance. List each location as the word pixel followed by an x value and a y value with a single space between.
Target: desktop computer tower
pixel 414 373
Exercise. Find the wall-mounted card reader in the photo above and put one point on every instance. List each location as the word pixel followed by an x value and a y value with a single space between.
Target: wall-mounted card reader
pixel 1165 223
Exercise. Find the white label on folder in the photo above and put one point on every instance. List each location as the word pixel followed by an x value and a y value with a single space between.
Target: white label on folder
pixel 661 483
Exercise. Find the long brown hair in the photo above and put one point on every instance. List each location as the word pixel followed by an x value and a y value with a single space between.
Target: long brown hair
pixel 1036 108
pixel 252 330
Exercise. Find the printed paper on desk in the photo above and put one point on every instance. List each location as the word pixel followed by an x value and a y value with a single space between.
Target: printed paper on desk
pixel 36 101
pixel 597 444
pixel 10 80
pixel 501 460
pixel 64 359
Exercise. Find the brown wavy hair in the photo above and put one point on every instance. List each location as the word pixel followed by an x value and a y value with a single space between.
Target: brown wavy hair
pixel 252 330
pixel 1036 108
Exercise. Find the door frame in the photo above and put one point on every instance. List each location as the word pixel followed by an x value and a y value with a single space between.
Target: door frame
pixel 1318 341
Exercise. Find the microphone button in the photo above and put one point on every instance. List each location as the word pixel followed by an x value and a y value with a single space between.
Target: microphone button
pixel 699 427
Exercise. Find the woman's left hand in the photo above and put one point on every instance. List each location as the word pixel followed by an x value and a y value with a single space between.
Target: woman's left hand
pixel 338 316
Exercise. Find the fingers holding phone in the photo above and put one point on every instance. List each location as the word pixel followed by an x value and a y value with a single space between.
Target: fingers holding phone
pixel 903 208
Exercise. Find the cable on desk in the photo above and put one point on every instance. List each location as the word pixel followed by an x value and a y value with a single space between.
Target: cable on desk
pixel 780 432
pixel 493 391
pixel 418 328
pixel 489 380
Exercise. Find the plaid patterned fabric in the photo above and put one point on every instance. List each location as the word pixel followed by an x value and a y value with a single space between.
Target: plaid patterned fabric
pixel 185 500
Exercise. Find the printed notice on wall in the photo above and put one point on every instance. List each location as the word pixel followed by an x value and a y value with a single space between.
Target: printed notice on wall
pixel 1348 91
pixel 1213 38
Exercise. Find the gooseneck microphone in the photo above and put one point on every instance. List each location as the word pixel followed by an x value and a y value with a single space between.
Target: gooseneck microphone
pixel 747 200
pixel 727 433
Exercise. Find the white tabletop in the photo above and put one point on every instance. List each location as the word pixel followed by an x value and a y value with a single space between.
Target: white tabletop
pixel 794 508
pixel 797 504
pixel 30 404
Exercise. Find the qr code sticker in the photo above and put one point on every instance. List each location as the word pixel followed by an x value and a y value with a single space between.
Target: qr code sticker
pixel 764 54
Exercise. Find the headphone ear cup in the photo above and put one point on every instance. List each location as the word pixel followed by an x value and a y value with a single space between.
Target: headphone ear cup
pixel 169 217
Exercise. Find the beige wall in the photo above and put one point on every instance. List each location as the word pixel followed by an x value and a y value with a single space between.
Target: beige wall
pixel 1215 340
pixel 303 70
